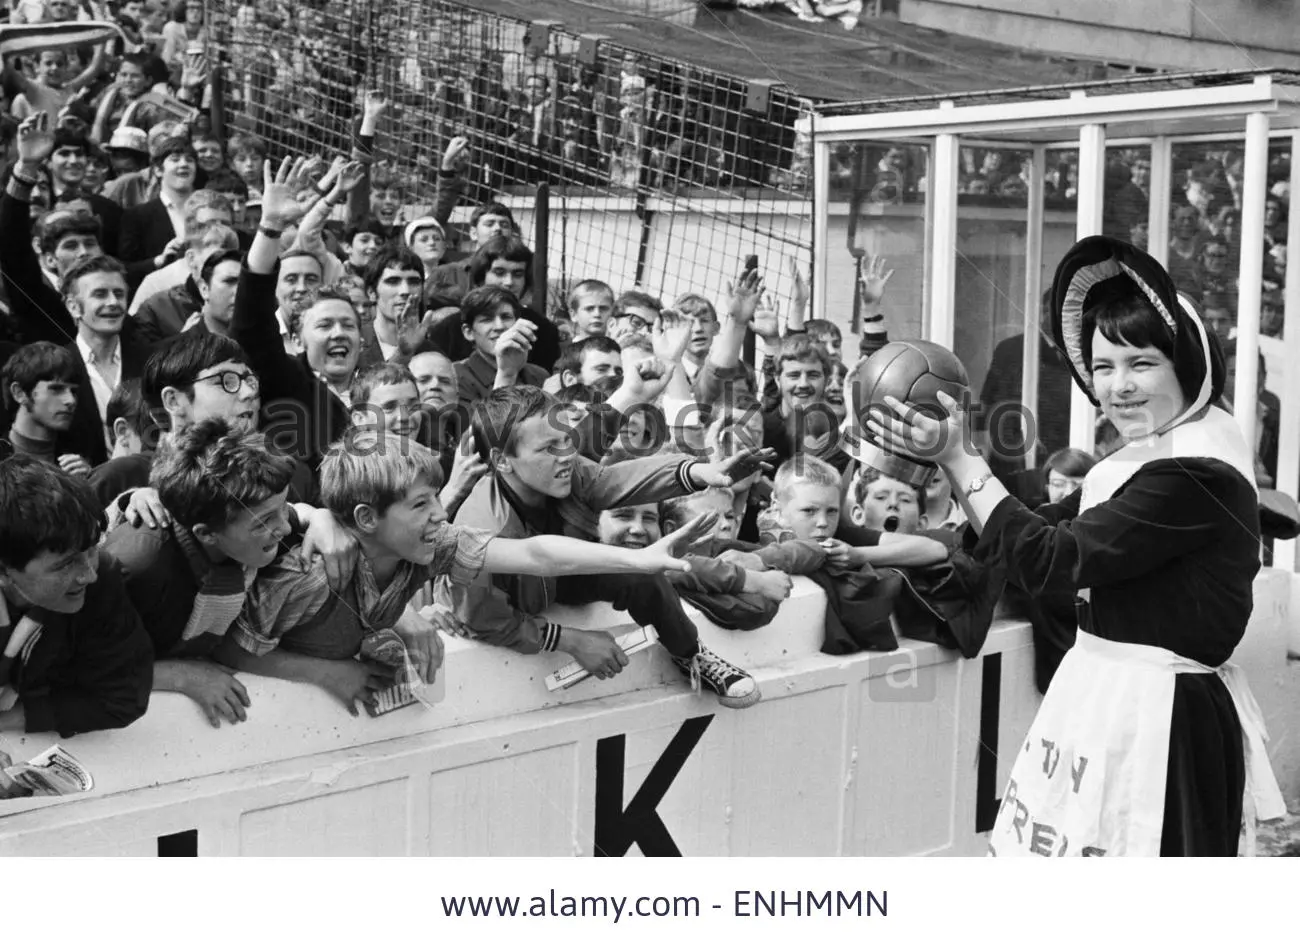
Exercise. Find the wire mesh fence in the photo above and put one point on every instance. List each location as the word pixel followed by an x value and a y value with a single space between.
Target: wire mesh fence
pixel 661 175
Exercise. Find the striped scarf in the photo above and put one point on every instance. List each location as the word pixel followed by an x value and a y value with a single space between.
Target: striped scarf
pixel 17 39
pixel 222 589
pixel 19 641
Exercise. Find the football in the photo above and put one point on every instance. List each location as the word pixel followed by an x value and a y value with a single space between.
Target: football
pixel 914 372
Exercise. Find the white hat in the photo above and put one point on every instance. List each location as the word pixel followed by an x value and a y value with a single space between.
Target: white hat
pixel 422 223
pixel 127 138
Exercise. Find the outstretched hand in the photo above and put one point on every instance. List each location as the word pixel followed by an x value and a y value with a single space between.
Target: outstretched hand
pixel 872 279
pixel 913 433
pixel 664 556
pixel 736 468
pixel 280 205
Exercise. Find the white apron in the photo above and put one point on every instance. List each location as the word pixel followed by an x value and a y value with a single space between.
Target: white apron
pixel 1090 776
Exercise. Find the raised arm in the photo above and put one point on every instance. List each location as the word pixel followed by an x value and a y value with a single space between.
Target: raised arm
pixel 42 315
pixel 364 151
pixel 253 324
pixel 451 179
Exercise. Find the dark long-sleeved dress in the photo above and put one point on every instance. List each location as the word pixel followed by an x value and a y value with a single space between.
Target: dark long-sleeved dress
pixel 1170 562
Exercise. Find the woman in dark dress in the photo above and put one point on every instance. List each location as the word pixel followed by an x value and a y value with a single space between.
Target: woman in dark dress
pixel 1146 742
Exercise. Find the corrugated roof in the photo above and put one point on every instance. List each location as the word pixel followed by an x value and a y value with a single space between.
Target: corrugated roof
pixel 820 61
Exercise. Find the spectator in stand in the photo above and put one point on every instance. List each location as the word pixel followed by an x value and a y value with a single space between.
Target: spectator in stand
pixel 94 292
pixel 361 241
pixel 41 383
pixel 1185 241
pixel 492 320
pixel 166 313
pixel 634 312
pixel 184 32
pixel 48 91
pixel 128 152
pixel 247 153
pixel 232 187
pixel 591 306
pixel 427 239
pixel 211 157
pixel 217 277
pixel 202 209
pixel 1214 274
pixel 533 488
pixel 307 393
pixel 153 234
pixel 67 172
pixel 505 262
pixel 394 283
pixel 452 280
pixel 1220 317
pixel 301 276
pixel 227 500
pixel 590 361
pixel 81 660
pixel 117 100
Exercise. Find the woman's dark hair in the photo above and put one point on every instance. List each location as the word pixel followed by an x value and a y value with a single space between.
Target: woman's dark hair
pixel 1125 318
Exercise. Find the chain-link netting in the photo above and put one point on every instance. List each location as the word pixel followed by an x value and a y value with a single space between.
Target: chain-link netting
pixel 658 174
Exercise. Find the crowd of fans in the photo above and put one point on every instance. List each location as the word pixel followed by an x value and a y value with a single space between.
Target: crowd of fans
pixel 257 421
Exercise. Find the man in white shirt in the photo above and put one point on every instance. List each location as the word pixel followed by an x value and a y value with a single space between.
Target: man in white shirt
pixel 95 293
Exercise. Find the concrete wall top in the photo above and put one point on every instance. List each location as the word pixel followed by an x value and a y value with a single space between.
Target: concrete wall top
pixel 173 743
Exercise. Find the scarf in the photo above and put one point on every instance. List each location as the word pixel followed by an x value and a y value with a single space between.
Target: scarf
pixel 223 587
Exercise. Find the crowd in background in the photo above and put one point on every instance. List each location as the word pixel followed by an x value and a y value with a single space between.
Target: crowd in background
pixel 260 418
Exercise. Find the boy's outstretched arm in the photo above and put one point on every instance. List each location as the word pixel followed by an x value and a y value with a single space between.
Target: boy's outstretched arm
pixel 895 549
pixel 560 555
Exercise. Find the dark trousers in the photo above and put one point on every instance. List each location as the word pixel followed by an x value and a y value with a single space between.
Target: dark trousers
pixel 649 599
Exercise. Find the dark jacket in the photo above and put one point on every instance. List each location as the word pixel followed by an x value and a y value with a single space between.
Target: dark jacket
pixel 545 352
pixel 503 609
pixel 92 670
pixel 146 230
pixel 38 309
pixel 716 587
pixel 475 376
pixel 164 314
pixel 301 417
pixel 950 603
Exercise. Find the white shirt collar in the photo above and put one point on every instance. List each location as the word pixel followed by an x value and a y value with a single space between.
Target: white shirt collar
pixel 88 354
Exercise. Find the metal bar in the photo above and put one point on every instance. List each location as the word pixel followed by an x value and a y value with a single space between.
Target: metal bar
pixel 1092 183
pixel 1288 448
pixel 1033 290
pixel 541 248
pixel 1162 157
pixel 943 246
pixel 821 225
pixel 1245 400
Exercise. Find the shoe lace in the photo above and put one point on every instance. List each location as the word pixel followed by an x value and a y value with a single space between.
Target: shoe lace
pixel 695 671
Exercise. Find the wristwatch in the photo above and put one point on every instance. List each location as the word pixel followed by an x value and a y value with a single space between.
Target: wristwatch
pixel 976 485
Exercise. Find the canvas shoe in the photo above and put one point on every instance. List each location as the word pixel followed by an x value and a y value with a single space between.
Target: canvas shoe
pixel 735 688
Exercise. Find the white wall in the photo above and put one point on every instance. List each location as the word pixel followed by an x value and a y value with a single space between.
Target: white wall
pixel 870 754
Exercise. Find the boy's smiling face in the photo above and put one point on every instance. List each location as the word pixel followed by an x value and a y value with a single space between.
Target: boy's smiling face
pixel 409 528
pixel 632 527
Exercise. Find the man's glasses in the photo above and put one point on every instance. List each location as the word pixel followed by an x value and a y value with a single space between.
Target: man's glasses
pixel 231 381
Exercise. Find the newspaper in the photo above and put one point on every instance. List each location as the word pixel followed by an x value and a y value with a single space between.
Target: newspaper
pixel 572 673
pixel 56 772
pixel 409 690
